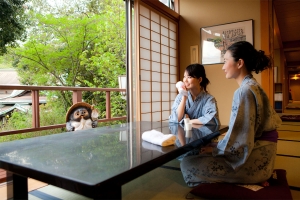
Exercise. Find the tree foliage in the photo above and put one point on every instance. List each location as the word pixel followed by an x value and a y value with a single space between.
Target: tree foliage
pixel 75 44
pixel 12 24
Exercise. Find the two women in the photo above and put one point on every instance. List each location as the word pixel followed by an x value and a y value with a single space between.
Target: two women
pixel 247 152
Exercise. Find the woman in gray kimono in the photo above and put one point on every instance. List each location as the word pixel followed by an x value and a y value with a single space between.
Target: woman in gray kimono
pixel 247 152
pixel 193 100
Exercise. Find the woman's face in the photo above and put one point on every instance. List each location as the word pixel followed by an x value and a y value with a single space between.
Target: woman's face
pixel 191 82
pixel 230 67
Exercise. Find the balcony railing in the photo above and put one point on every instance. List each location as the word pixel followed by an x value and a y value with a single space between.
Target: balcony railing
pixel 77 97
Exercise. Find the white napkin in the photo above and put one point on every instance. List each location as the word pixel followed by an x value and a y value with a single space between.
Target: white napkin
pixel 159 138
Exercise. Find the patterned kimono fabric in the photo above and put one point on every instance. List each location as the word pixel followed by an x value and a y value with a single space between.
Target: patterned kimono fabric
pixel 204 108
pixel 247 153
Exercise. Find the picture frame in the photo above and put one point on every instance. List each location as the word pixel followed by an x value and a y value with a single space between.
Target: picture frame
pixel 194 54
pixel 216 39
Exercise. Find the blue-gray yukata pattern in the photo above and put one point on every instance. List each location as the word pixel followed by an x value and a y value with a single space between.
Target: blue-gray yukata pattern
pixel 240 157
pixel 203 108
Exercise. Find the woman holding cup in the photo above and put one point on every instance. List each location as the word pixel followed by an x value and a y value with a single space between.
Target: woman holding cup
pixel 193 100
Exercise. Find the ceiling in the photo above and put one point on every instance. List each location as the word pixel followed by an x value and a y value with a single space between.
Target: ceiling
pixel 288 32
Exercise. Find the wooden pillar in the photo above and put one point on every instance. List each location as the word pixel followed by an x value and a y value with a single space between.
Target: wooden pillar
pixel 266 32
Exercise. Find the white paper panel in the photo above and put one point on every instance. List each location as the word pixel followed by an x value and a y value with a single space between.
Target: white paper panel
pixel 165 77
pixel 156 117
pixel 156 76
pixel 145 107
pixel 145 22
pixel 173 61
pixel 145 86
pixel 173 79
pixel 144 32
pixel 165 59
pixel 145 64
pixel 145 96
pixel 164 40
pixel 172 43
pixel 164 22
pixel 173 70
pixel 173 95
pixel 166 114
pixel 172 52
pixel 154 17
pixel 155 46
pixel 165 87
pixel 173 88
pixel 165 105
pixel 172 35
pixel 156 106
pixel 155 56
pixel 145 54
pixel 165 68
pixel 145 75
pixel 165 96
pixel 155 37
pixel 155 27
pixel 156 66
pixel 145 11
pixel 172 26
pixel 146 117
pixel 156 96
pixel 145 43
pixel 164 31
pixel 156 86
pixel 165 50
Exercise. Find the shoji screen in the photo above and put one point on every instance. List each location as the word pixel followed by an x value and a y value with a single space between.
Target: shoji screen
pixel 157 64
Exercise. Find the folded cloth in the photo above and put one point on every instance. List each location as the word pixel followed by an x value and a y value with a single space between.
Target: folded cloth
pixel 159 138
pixel 153 147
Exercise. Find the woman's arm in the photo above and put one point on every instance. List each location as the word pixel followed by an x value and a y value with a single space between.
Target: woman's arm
pixel 181 108
pixel 209 112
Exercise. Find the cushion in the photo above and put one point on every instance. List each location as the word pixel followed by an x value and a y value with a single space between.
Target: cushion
pixel 292 118
pixel 278 189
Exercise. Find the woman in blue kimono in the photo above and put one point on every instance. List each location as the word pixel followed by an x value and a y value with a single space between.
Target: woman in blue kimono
pixel 193 100
pixel 247 152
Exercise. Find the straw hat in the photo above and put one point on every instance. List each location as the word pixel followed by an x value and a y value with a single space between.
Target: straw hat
pixel 76 105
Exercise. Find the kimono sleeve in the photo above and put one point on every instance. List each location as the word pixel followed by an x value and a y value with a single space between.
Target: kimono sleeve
pixel 238 142
pixel 174 116
pixel 210 112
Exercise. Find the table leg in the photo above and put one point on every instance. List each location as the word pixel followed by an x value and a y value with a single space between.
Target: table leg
pixel 20 187
pixel 109 192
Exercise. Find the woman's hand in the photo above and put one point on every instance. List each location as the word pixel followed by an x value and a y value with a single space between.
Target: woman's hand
pixel 208 148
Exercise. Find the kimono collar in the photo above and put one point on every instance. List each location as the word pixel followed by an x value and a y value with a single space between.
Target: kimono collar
pixel 198 97
pixel 246 79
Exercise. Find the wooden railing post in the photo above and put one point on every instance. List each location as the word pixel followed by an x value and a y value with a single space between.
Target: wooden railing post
pixel 77 96
pixel 35 108
pixel 108 114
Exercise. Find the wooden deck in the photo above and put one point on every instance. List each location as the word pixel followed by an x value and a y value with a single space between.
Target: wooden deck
pixel 5 176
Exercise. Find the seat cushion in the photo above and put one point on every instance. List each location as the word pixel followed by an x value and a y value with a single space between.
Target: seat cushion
pixel 278 189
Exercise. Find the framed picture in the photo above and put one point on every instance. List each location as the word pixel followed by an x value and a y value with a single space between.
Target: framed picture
pixel 216 39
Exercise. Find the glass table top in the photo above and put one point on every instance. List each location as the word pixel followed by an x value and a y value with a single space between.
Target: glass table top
pixel 94 155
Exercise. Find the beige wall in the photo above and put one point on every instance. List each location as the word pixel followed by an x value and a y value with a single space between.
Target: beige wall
pixel 201 13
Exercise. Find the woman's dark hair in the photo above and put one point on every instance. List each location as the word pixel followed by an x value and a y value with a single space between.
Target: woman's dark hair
pixel 255 61
pixel 196 71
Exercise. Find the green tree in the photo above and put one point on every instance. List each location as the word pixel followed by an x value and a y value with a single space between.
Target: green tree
pixel 77 46
pixel 12 24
